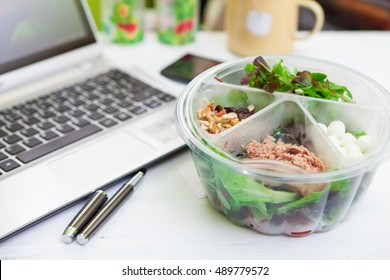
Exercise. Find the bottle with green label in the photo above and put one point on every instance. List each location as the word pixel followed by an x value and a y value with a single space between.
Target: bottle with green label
pixel 177 21
pixel 123 20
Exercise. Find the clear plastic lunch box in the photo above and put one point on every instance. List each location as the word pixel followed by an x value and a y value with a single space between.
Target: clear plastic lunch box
pixel 261 194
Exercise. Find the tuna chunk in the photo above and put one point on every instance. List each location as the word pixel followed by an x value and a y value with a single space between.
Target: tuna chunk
pixel 293 154
pixel 296 155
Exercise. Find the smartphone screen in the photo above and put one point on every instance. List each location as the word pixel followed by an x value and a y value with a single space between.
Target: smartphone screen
pixel 188 67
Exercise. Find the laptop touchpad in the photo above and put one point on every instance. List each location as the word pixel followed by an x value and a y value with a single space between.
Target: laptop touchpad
pixel 99 159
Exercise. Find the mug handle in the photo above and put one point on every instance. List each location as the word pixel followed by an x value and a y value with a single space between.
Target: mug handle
pixel 319 15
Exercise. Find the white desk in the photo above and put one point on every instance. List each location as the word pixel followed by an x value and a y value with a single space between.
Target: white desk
pixel 164 219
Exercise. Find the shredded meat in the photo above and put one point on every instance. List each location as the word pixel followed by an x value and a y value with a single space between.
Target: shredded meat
pixel 296 155
pixel 290 153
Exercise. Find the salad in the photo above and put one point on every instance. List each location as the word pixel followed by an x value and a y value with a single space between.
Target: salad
pixel 271 208
pixel 279 78
pixel 352 144
pixel 276 145
pixel 216 117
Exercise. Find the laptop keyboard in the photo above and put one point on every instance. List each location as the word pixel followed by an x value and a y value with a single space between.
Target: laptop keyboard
pixel 46 124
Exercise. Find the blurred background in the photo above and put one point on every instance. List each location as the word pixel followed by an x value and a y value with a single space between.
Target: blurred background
pixel 339 15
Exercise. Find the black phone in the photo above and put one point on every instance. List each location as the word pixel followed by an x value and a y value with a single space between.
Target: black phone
pixel 188 67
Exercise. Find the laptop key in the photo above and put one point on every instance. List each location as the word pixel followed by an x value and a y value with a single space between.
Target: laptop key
pixel 104 86
pixel 151 103
pixel 48 135
pixel 81 122
pixel 62 108
pixel 108 122
pixel 165 97
pixel 56 144
pixel 6 112
pixel 9 165
pixel 32 142
pixel 29 132
pixel 66 128
pixel 137 110
pixel 125 104
pixel 46 114
pixel 91 96
pixel 116 74
pixel 3 156
pixel 61 119
pixel 76 101
pixel 59 99
pixel 143 95
pixel 120 96
pixel 110 110
pixel 28 111
pixel 44 105
pixel 14 127
pixel 122 116
pixel 12 139
pixel 45 125
pixel 3 133
pixel 106 101
pixel 95 116
pixel 77 113
pixel 15 149
pixel 30 120
pixel 11 117
pixel 92 107
pixel 87 87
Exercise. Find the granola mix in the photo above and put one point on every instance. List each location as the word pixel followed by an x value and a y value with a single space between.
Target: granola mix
pixel 215 119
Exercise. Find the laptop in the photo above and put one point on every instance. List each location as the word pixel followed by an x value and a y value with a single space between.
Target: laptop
pixel 70 123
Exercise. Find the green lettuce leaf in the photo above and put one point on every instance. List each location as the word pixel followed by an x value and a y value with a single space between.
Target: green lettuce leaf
pixel 259 75
pixel 246 191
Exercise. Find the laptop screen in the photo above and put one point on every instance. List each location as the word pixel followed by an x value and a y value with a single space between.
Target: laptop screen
pixel 33 30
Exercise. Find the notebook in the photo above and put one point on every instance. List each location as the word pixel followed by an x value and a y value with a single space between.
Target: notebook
pixel 70 123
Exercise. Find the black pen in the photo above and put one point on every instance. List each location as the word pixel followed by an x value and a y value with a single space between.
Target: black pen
pixel 108 207
pixel 84 215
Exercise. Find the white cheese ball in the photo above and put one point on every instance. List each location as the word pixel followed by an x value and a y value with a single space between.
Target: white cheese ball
pixel 364 142
pixel 342 150
pixel 336 128
pixel 323 127
pixel 352 150
pixel 334 140
pixel 347 138
pixel 354 155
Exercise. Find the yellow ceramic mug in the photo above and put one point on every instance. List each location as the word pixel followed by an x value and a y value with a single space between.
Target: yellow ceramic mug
pixel 258 27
